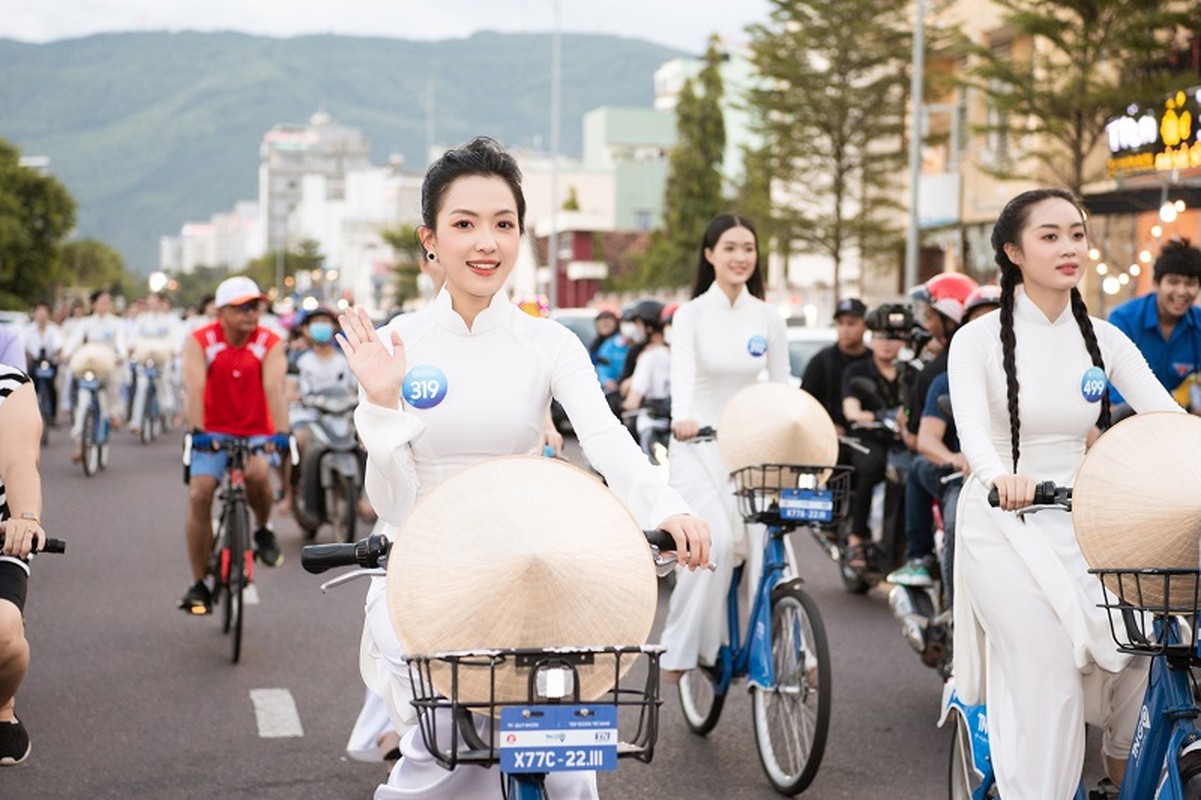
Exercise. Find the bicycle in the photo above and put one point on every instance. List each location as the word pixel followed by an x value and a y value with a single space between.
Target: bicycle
pixel 1151 603
pixel 785 657
pixel 44 370
pixel 232 566
pixel 547 730
pixel 94 437
pixel 150 421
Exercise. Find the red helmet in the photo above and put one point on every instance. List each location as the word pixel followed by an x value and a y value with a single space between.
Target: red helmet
pixel 986 295
pixel 946 293
pixel 669 311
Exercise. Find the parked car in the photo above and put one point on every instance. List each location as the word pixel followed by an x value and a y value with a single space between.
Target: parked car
pixel 803 344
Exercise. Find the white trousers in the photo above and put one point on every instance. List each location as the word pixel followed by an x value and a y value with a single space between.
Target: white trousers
pixel 1038 698
pixel 696 614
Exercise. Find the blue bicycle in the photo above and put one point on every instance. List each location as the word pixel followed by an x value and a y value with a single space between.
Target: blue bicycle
pixel 95 432
pixel 785 656
pixel 1147 608
pixel 148 414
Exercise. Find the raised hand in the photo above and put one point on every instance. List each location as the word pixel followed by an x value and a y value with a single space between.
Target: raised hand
pixel 378 371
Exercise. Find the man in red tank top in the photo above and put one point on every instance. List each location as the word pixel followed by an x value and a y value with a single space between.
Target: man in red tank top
pixel 233 374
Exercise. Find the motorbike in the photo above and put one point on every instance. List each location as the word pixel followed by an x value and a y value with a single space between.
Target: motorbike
pixel 329 479
pixel 925 612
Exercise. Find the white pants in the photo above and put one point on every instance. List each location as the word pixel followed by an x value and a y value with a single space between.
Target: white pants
pixel 1038 698
pixel 696 614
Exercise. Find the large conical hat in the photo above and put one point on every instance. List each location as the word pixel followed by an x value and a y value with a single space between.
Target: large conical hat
pixel 1136 503
pixel 773 423
pixel 520 552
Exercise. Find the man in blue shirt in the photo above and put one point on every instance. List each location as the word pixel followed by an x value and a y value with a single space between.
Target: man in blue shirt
pixel 1165 325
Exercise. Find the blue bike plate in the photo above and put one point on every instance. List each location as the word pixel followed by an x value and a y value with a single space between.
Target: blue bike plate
pixel 807 505
pixel 558 738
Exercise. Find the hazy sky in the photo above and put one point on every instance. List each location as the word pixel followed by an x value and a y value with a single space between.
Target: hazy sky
pixel 685 24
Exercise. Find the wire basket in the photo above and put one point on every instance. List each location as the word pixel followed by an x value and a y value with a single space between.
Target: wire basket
pixel 1153 611
pixel 792 495
pixel 463 730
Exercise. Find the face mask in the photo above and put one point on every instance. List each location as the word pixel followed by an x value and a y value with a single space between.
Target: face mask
pixel 321 332
pixel 632 333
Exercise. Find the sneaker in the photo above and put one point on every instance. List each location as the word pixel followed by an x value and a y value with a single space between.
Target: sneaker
pixel 266 548
pixel 914 572
pixel 14 743
pixel 198 600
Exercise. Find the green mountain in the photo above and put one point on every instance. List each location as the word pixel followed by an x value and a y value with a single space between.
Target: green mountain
pixel 150 130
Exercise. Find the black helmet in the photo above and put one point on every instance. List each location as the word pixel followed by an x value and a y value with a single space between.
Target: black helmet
pixel 649 312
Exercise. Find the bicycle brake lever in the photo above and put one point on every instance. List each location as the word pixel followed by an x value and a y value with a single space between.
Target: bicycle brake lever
pixel 347 577
pixel 666 562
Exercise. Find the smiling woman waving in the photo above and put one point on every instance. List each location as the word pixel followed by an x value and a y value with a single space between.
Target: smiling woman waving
pixel 470 378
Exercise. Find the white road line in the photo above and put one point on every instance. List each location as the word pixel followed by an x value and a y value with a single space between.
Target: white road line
pixel 276 713
pixel 250 595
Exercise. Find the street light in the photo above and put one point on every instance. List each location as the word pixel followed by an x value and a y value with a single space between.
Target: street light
pixel 915 142
pixel 552 241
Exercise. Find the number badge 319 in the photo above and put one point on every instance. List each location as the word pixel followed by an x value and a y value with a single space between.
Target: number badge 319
pixel 424 386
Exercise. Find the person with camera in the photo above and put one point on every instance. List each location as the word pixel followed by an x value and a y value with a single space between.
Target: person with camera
pixel 872 397
pixel 940 303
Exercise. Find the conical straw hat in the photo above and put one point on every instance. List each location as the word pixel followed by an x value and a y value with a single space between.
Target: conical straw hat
pixel 519 552
pixel 1136 503
pixel 773 423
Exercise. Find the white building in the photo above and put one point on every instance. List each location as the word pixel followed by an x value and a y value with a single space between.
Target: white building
pixel 227 240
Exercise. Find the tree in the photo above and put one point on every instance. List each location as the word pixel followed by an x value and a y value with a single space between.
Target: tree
pixel 36 214
pixel 91 264
pixel 264 270
pixel 693 194
pixel 194 286
pixel 831 109
pixel 1088 60
pixel 409 252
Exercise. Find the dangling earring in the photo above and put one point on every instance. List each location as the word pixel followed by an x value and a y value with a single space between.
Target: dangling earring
pixel 429 256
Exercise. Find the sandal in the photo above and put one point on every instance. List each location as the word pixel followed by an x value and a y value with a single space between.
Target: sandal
pixel 855 555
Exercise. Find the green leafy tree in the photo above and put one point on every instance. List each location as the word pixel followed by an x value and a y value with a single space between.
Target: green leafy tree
pixel 693 194
pixel 36 214
pixel 265 270
pixel 1089 59
pixel 194 286
pixel 407 246
pixel 831 109
pixel 89 264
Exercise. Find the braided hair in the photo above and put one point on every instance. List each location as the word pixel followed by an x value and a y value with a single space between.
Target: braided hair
pixel 1007 230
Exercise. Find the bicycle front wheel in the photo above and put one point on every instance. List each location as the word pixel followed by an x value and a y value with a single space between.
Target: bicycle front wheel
pixel 963 780
pixel 792 718
pixel 91 450
pixel 700 699
pixel 239 533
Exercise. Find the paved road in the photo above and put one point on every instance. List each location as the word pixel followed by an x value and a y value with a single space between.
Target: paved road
pixel 130 698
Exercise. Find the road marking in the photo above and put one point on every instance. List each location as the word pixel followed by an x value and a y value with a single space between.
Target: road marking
pixel 250 595
pixel 276 713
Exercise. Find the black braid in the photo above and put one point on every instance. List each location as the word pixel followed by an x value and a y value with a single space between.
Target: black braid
pixel 1080 312
pixel 1009 280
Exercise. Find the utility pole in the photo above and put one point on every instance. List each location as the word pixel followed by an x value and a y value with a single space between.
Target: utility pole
pixel 552 243
pixel 915 142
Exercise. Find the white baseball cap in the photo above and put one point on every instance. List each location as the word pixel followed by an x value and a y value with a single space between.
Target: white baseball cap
pixel 238 290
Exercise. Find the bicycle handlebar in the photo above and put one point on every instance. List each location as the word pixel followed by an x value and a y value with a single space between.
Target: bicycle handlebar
pixel 209 441
pixel 366 553
pixel 48 546
pixel 1046 493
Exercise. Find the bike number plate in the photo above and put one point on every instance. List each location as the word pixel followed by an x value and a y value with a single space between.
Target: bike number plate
pixel 807 505
pixel 558 738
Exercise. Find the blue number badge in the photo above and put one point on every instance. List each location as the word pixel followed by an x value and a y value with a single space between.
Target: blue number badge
pixel 1093 384
pixel 757 345
pixel 424 386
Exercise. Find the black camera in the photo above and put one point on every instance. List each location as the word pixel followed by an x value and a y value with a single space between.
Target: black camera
pixel 896 321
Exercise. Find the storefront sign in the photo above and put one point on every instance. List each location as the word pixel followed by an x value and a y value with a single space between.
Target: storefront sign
pixel 1157 138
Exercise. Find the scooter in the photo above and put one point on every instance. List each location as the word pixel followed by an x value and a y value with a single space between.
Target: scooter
pixel 329 480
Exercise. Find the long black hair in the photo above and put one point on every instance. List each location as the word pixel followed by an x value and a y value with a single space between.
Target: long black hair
pixel 1008 230
pixel 704 268
pixel 481 156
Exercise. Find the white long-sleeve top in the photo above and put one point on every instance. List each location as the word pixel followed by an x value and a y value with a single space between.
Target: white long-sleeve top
pixel 1055 384
pixel 719 347
pixel 470 395
pixel 106 329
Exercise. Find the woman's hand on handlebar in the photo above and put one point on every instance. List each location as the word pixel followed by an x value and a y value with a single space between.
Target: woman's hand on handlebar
pixel 21 537
pixel 379 372
pixel 1014 491
pixel 691 535
pixel 685 429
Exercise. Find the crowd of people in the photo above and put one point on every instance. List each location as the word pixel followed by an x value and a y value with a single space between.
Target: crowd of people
pixel 963 389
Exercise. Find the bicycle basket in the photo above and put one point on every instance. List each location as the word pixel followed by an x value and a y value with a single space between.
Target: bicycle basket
pixel 1141 604
pixel 791 495
pixel 458 729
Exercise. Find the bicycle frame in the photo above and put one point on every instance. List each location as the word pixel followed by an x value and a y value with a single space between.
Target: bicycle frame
pixel 753 658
